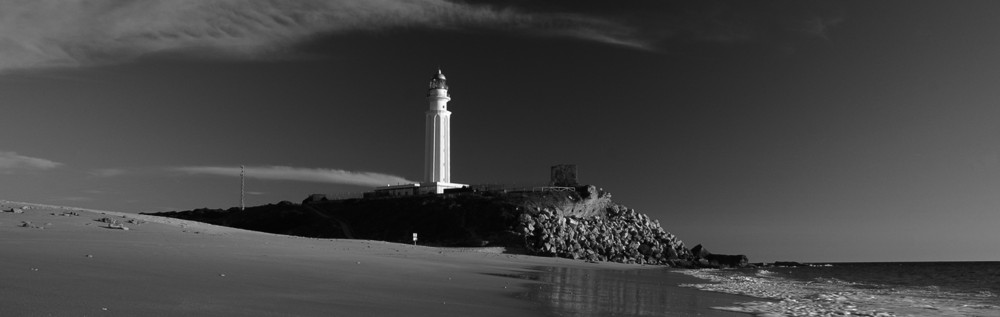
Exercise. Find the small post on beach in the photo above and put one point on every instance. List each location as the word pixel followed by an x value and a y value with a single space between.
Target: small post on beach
pixel 414 238
pixel 242 186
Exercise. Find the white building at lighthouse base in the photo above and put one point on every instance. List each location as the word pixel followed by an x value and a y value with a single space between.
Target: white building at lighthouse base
pixel 430 188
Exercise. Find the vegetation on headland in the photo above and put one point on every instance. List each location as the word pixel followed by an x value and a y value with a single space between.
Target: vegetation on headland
pixel 581 223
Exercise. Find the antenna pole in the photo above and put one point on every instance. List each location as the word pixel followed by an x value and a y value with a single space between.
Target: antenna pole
pixel 242 186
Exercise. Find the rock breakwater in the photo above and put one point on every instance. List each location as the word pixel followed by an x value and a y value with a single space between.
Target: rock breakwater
pixel 621 235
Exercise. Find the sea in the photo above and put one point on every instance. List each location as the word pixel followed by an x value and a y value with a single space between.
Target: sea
pixel 860 289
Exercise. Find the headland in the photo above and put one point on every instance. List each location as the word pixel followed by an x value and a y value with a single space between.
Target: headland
pixel 579 222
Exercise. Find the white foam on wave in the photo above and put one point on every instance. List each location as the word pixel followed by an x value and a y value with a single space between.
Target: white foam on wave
pixel 832 297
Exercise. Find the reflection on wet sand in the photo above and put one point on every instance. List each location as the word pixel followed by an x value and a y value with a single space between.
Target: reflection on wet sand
pixel 636 292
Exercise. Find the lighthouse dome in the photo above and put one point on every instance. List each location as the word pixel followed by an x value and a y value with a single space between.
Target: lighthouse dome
pixel 438 81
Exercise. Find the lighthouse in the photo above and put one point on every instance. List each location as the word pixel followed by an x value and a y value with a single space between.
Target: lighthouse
pixel 437 146
pixel 437 139
pixel 437 132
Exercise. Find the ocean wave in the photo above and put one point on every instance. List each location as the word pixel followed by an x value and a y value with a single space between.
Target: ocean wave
pixel 832 297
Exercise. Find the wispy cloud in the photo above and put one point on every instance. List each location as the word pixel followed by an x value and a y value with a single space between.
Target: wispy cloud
pixel 107 172
pixel 14 161
pixel 735 22
pixel 300 174
pixel 49 33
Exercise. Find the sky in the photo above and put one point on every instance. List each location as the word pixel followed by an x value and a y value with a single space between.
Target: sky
pixel 784 130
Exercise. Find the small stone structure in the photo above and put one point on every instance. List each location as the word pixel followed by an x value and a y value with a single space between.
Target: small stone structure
pixel 564 175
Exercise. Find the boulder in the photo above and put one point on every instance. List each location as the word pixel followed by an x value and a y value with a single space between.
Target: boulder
pixel 315 198
pixel 645 249
pixel 587 192
pixel 671 254
pixel 722 260
pixel 699 252
pixel 789 264
pixel 16 210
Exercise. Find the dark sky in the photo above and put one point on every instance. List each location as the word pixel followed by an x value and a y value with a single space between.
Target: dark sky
pixel 788 130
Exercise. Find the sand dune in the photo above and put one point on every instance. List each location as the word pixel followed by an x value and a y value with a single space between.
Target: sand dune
pixel 66 263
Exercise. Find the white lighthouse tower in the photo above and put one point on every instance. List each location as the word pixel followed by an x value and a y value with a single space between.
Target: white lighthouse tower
pixel 437 146
pixel 437 132
pixel 437 138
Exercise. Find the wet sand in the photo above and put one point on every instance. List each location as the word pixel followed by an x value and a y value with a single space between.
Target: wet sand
pixel 575 291
pixel 63 264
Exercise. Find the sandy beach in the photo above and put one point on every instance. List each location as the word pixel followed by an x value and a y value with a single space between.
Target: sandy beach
pixel 61 261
